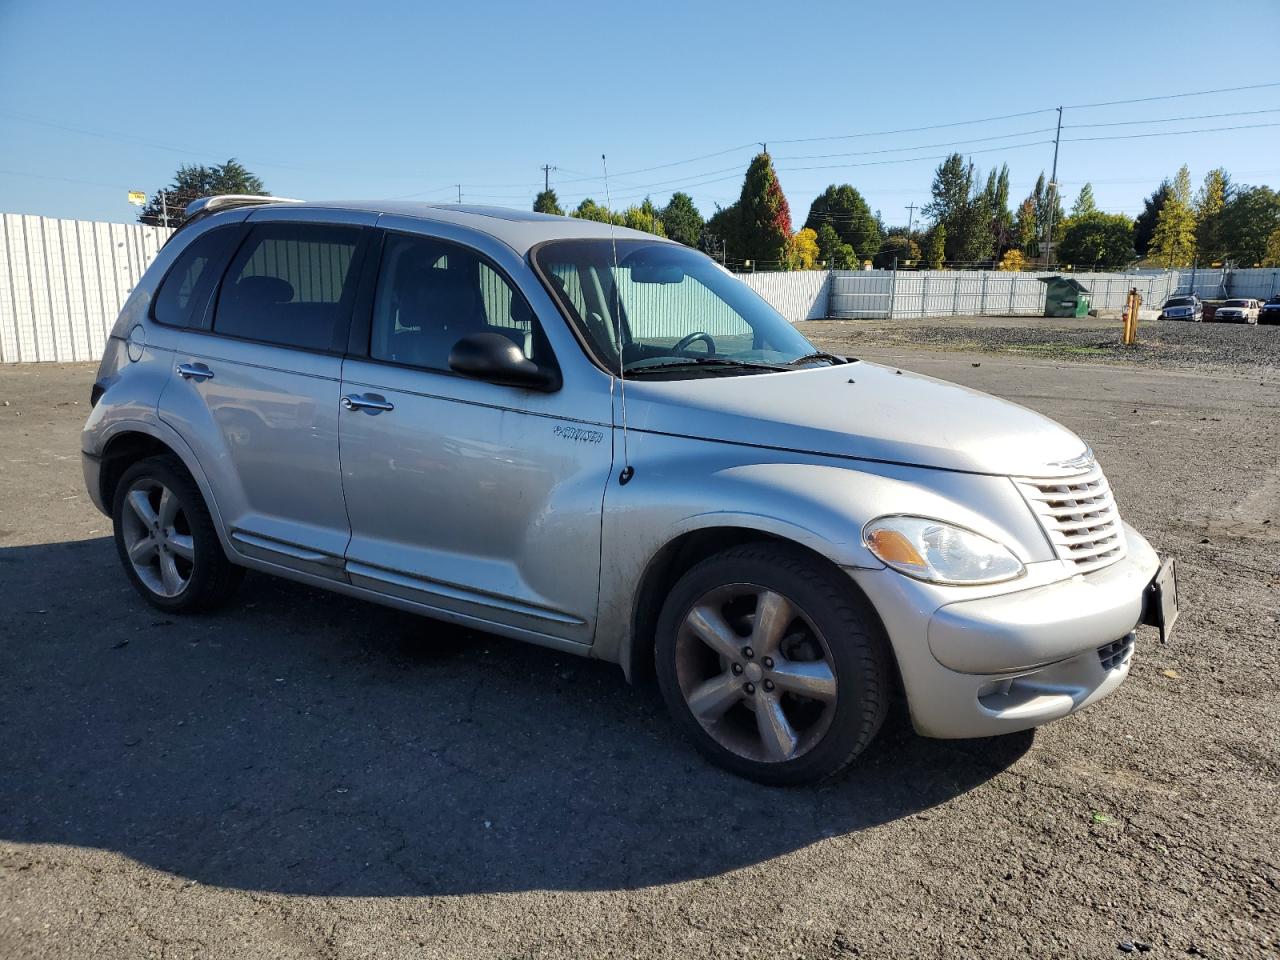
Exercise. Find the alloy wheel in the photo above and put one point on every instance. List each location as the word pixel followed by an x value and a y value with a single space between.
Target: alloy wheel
pixel 157 537
pixel 756 672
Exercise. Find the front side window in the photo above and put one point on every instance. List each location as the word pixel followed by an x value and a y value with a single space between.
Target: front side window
pixel 432 293
pixel 189 281
pixel 661 307
pixel 290 284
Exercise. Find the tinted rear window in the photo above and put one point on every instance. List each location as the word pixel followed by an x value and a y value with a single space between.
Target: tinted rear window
pixel 290 284
pixel 190 280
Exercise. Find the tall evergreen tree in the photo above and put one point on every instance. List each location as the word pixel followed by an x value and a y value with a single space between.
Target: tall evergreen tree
pixel 192 182
pixel 1173 244
pixel 963 211
pixel 683 221
pixel 848 213
pixel 833 251
pixel 935 247
pixel 547 202
pixel 1248 220
pixel 1145 223
pixel 765 216
pixel 1210 199
pixel 1084 204
pixel 996 198
pixel 722 235
pixel 1025 229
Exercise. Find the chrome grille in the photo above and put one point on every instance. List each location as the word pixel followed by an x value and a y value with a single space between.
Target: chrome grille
pixel 1079 516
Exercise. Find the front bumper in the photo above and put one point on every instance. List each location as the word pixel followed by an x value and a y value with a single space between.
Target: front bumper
pixel 1001 663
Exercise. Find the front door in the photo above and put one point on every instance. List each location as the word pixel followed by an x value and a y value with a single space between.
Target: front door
pixel 258 394
pixel 479 501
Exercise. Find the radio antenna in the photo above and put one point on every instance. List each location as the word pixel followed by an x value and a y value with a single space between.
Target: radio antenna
pixel 628 471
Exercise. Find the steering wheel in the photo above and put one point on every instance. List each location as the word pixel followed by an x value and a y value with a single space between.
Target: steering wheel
pixel 693 338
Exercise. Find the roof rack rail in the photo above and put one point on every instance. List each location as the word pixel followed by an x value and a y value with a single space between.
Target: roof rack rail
pixel 226 201
pixel 197 210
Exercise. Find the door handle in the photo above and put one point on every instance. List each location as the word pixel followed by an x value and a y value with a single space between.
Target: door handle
pixel 194 371
pixel 371 402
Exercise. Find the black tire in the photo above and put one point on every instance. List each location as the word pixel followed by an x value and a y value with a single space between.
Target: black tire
pixel 211 578
pixel 859 652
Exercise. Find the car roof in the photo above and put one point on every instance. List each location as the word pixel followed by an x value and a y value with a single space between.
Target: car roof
pixel 518 229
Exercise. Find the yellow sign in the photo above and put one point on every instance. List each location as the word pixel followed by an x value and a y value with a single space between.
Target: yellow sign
pixel 137 198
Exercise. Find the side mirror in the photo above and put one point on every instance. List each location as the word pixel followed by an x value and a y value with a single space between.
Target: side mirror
pixel 492 357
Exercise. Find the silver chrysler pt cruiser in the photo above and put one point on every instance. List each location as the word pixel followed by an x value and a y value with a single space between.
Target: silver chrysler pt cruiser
pixel 600 441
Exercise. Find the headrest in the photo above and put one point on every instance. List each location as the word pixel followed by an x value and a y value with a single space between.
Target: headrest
pixel 264 289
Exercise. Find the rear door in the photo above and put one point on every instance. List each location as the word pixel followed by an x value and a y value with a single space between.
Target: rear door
pixel 257 388
pixel 478 500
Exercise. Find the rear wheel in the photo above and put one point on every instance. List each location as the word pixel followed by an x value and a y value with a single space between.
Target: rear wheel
pixel 166 540
pixel 773 664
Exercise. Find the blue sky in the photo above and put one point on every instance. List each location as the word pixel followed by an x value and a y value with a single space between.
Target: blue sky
pixel 341 100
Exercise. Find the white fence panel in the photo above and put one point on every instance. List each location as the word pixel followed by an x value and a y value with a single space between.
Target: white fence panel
pixel 63 282
pixel 1260 282
pixel 797 295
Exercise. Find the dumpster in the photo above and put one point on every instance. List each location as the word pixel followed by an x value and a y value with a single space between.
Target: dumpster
pixel 1065 297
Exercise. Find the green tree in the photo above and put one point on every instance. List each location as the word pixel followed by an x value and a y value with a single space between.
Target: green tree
pixel 1048 206
pixel 1098 239
pixel 996 198
pixel 1084 205
pixel 588 209
pixel 1271 255
pixel 1248 220
pixel 644 217
pixel 547 202
pixel 935 247
pixel 765 216
pixel 963 211
pixel 1210 199
pixel 722 235
pixel 1144 226
pixel 682 220
pixel 837 254
pixel 192 183
pixel 896 247
pixel 847 212
pixel 1173 244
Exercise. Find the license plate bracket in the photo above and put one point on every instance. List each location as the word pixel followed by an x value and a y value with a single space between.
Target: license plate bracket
pixel 1162 599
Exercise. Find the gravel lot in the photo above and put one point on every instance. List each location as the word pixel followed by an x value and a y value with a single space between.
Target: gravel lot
pixel 1224 348
pixel 308 776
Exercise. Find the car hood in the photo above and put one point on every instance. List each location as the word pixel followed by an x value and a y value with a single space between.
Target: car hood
pixel 862 410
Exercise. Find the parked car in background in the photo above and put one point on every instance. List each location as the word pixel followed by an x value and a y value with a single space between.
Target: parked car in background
pixel 1270 311
pixel 423 406
pixel 1182 308
pixel 1239 310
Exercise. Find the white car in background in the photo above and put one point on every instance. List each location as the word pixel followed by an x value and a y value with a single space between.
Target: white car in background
pixel 1240 310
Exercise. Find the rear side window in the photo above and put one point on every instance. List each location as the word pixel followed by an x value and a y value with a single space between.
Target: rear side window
pixel 183 294
pixel 290 284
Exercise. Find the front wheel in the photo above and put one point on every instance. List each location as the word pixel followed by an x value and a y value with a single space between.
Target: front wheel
pixel 166 539
pixel 773 663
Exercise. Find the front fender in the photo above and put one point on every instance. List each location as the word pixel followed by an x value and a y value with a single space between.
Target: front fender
pixel 683 485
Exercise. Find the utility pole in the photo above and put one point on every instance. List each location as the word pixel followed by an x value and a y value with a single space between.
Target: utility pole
pixel 459 186
pixel 911 215
pixel 1053 194
pixel 164 209
pixel 546 176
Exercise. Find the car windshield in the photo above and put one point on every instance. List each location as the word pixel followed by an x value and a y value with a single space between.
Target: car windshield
pixel 674 310
pixel 1179 302
pixel 1236 303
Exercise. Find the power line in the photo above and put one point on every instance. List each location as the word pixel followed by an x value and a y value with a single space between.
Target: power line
pixel 935 126
pixel 1203 116
pixel 1170 133
pixel 942 156
pixel 919 146
pixel 1171 96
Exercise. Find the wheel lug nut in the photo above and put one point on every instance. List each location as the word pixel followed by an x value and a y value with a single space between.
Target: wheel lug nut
pixel 768 663
pixel 768 684
pixel 748 652
pixel 737 669
pixel 749 687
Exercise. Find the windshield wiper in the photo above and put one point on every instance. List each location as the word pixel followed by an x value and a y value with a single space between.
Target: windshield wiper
pixel 818 355
pixel 704 362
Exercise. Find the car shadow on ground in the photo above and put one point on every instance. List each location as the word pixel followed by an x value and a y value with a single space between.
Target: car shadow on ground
pixel 305 743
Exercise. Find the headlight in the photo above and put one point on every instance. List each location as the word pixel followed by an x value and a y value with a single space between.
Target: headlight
pixel 939 552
